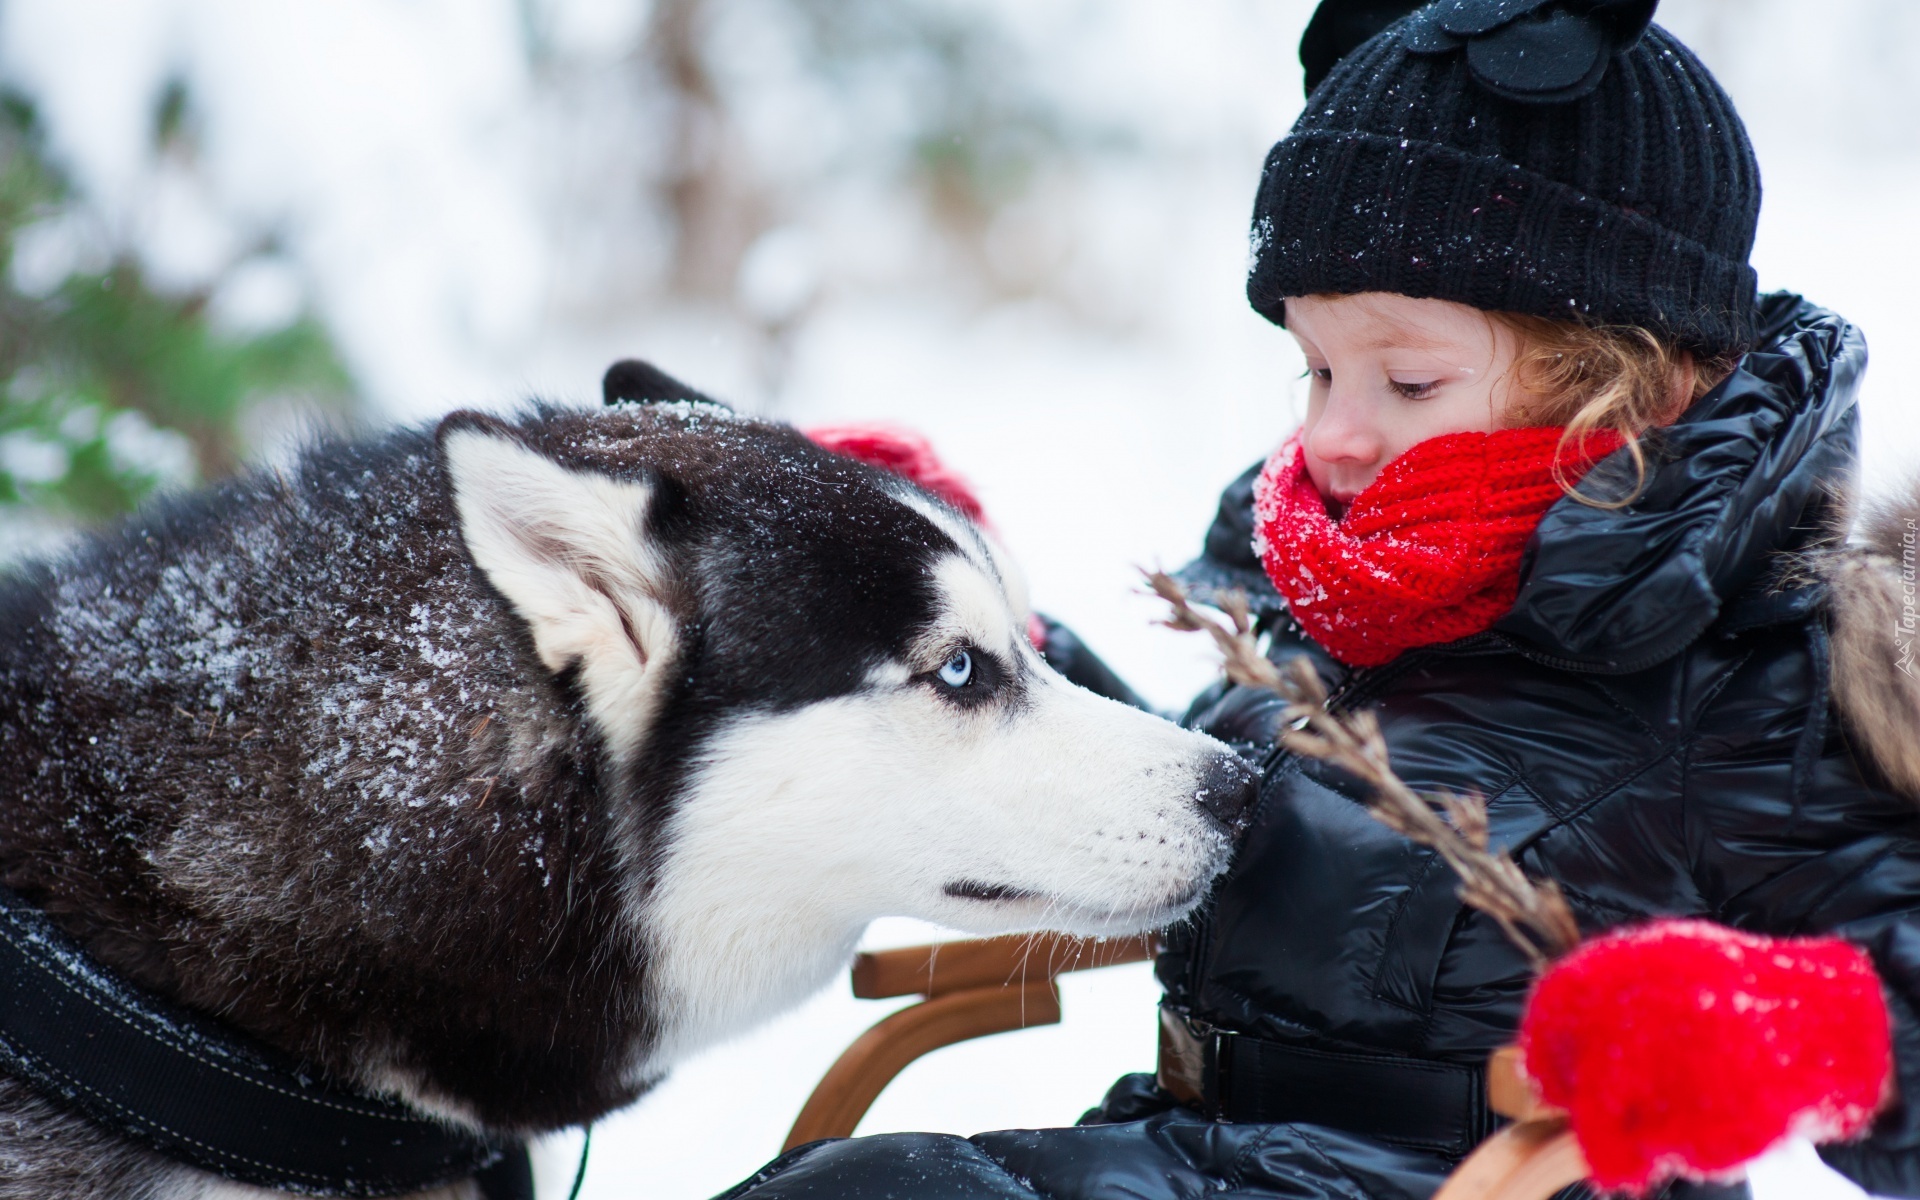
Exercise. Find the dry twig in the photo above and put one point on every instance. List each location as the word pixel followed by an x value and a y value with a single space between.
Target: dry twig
pixel 1533 914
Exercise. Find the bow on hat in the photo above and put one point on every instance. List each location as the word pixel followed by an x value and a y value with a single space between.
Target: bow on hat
pixel 1531 51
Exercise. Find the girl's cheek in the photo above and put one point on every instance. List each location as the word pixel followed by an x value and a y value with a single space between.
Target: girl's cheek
pixel 1465 407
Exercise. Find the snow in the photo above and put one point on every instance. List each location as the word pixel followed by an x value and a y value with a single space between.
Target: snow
pixel 402 161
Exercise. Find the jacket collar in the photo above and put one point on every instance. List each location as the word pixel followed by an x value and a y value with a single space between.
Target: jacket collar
pixel 1746 473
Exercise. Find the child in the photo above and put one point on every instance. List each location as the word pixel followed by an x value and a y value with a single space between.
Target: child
pixel 1511 239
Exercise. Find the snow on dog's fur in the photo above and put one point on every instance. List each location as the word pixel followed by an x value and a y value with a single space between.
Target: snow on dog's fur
pixel 504 765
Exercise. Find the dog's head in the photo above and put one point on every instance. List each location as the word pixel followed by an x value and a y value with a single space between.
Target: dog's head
pixel 816 683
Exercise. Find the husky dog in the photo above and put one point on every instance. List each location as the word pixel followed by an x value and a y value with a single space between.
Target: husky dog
pixel 500 766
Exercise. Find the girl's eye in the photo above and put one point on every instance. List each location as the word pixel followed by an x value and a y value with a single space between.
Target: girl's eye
pixel 1415 391
pixel 957 671
pixel 1322 374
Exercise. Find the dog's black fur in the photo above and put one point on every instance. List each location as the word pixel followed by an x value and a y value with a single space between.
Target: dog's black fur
pixel 120 735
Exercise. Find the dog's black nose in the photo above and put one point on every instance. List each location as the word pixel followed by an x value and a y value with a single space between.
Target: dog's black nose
pixel 1227 790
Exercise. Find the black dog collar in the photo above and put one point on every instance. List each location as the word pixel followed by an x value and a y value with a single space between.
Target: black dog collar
pixel 203 1095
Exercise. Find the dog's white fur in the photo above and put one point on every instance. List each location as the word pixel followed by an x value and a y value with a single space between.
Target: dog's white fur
pixel 799 828
pixel 869 805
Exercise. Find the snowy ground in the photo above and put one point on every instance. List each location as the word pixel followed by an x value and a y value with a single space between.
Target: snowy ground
pixel 388 131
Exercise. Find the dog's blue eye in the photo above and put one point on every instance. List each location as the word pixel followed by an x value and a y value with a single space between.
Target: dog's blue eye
pixel 958 670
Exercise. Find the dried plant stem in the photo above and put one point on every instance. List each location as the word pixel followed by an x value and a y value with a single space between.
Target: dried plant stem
pixel 1533 914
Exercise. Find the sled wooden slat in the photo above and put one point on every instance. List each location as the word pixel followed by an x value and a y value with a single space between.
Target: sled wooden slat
pixel 992 985
pixel 1530 1160
pixel 987 963
pixel 1510 1094
pixel 973 988
pixel 857 1078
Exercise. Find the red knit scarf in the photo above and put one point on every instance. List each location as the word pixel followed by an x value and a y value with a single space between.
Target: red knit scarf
pixel 1428 552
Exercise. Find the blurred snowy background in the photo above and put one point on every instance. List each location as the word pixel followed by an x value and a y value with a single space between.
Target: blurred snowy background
pixel 1018 225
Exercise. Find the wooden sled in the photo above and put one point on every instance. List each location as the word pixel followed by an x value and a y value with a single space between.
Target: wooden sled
pixel 975 988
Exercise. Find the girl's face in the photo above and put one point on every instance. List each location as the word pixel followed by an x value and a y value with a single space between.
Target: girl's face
pixel 1390 371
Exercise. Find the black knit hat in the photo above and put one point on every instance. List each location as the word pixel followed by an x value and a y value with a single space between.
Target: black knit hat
pixel 1562 158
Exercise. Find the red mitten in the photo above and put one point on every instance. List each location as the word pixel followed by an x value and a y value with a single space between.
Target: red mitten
pixel 1684 1048
pixel 906 454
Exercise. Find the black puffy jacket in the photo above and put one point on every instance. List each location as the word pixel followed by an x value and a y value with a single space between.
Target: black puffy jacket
pixel 1653 727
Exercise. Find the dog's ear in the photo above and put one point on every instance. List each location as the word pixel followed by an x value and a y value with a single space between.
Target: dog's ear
pixel 643 383
pixel 569 550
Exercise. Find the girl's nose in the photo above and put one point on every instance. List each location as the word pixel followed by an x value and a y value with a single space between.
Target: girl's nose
pixel 1345 433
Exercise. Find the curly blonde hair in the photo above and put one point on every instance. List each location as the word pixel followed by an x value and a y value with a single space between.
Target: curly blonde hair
pixel 1603 377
